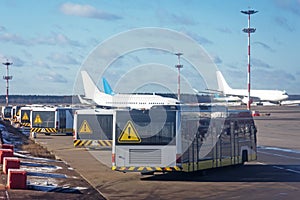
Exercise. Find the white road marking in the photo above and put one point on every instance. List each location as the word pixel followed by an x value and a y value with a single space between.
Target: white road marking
pixel 282 168
pixel 276 154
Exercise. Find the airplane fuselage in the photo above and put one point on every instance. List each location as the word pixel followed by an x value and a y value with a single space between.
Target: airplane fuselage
pixel 262 95
pixel 133 101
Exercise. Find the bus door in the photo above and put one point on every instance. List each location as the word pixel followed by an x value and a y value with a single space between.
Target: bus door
pixel 61 121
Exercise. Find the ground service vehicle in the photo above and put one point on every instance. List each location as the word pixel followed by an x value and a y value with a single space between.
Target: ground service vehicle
pixel 93 127
pixel 25 116
pixel 15 113
pixel 182 138
pixel 47 120
pixel 6 112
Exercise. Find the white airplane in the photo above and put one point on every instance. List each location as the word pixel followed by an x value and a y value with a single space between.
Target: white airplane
pixel 273 96
pixel 111 100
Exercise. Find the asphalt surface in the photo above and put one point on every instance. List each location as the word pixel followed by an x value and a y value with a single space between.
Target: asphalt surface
pixel 275 175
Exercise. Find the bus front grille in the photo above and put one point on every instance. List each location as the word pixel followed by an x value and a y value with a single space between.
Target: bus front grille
pixel 144 156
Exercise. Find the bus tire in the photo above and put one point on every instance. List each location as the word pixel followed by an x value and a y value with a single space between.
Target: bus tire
pixel 244 156
pixel 47 133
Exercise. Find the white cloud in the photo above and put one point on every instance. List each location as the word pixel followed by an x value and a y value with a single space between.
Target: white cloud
pixel 224 30
pixel 166 17
pixel 199 38
pixel 283 22
pixel 17 62
pixel 264 45
pixel 52 77
pixel 86 11
pixel 9 37
pixel 62 59
pixel 292 6
pixel 2 28
pixel 258 63
pixel 56 39
pixel 41 64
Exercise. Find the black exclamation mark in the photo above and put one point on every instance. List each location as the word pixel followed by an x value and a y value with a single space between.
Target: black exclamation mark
pixel 129 129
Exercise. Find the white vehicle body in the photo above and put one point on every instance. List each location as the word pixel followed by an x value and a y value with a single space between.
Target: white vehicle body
pixel 51 120
pixel 93 127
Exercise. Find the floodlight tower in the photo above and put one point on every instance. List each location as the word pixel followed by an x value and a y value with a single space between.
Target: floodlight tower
pixel 249 31
pixel 178 66
pixel 7 78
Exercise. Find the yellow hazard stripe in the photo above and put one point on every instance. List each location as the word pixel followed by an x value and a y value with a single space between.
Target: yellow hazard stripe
pixel 25 124
pixel 147 169
pixel 76 143
pixel 92 143
pixel 105 143
pixel 44 130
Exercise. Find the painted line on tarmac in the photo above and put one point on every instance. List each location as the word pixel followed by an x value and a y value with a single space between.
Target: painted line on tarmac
pixel 7 196
pixel 287 169
pixel 279 149
pixel 281 168
pixel 279 155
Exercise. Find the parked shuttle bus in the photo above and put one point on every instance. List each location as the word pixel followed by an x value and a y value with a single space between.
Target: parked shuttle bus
pixel 185 138
pixel 15 113
pixel 25 116
pixel 42 120
pixel 51 120
pixel 6 112
pixel 93 128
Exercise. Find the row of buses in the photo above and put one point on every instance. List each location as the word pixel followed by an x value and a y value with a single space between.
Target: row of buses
pixel 161 139
pixel 169 138
pixel 40 118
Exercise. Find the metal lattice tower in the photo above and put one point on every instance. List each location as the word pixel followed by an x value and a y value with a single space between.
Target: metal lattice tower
pixel 249 30
pixel 7 78
pixel 178 66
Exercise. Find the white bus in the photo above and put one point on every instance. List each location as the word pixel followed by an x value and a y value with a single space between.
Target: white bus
pixel 182 138
pixel 51 120
pixel 6 113
pixel 93 128
pixel 24 117
pixel 15 113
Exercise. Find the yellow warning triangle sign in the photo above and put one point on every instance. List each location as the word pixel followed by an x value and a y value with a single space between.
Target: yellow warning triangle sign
pixel 129 134
pixel 25 117
pixel 37 119
pixel 85 127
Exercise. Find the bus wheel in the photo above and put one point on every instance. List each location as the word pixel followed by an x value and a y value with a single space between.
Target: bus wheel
pixel 47 133
pixel 244 156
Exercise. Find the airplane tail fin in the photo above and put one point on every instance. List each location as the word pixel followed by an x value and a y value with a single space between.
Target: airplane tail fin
pixel 90 88
pixel 107 88
pixel 223 86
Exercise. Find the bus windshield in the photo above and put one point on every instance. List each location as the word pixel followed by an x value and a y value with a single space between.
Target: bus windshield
pixel 153 127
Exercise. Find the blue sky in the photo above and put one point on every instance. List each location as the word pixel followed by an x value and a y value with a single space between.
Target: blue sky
pixel 48 41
